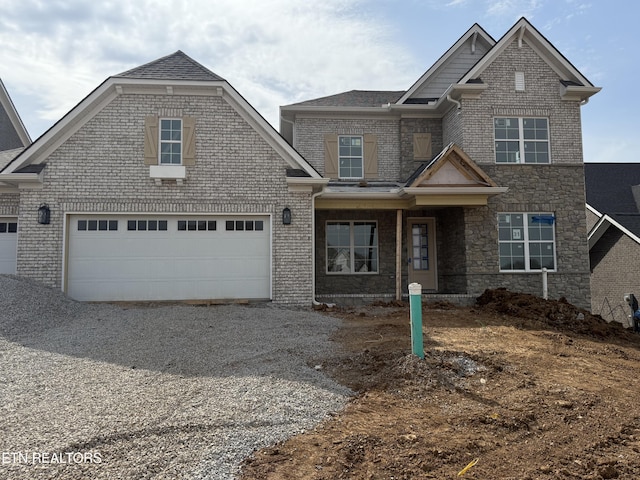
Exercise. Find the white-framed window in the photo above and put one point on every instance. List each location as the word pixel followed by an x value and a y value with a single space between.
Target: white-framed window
pixel 351 156
pixel 170 141
pixel 521 140
pixel 352 247
pixel 526 241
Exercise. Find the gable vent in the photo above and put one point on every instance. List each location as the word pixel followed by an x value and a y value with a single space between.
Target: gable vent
pixel 519 81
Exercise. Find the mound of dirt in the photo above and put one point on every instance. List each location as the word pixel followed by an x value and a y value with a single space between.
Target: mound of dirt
pixel 558 314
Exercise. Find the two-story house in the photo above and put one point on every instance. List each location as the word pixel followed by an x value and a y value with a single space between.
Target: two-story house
pixel 165 184
pixel 471 179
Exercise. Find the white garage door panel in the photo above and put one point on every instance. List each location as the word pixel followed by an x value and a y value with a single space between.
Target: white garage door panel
pixel 169 265
pixel 8 244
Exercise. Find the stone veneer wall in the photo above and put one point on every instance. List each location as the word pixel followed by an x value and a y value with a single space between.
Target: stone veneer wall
pixel 310 133
pixel 101 169
pixel 558 189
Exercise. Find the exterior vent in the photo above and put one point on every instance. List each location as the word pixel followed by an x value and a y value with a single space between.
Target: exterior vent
pixel 519 81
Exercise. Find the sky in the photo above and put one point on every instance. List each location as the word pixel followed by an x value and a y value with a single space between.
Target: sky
pixel 278 52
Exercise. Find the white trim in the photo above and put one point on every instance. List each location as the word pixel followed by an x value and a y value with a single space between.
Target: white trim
pixel 527 241
pixel 472 32
pixel 104 94
pixel 522 140
pixel 593 210
pixel 599 229
pixel 535 40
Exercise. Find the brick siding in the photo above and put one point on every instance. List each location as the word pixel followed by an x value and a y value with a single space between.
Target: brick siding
pixel 101 168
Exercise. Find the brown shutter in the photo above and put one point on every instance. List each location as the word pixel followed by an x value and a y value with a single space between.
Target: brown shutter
pixel 370 156
pixel 189 140
pixel 422 146
pixel 331 156
pixel 151 140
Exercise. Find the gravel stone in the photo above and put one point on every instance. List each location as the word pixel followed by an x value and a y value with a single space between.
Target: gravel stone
pixel 153 391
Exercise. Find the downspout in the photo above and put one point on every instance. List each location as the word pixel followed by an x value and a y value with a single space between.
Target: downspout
pixel 313 250
pixel 455 102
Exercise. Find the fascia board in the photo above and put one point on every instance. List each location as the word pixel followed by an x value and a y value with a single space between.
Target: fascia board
pixel 593 210
pixel 539 43
pixel 601 227
pixel 114 86
pixel 445 57
pixel 79 115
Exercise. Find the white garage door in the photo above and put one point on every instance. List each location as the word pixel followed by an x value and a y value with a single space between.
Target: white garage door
pixel 8 244
pixel 116 258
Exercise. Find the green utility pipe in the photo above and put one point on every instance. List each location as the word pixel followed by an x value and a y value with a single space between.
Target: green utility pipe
pixel 415 304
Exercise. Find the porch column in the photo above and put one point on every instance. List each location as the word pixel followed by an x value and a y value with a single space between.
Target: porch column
pixel 399 255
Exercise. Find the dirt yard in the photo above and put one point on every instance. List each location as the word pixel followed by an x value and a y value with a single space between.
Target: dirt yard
pixel 523 387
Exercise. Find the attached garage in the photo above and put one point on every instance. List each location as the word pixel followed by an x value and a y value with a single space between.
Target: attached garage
pixel 168 257
pixel 8 244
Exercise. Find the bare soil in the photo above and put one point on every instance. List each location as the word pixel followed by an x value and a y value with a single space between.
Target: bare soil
pixel 528 388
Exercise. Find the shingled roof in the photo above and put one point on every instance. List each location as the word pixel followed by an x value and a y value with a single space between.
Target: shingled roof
pixel 177 66
pixel 609 189
pixel 608 186
pixel 355 98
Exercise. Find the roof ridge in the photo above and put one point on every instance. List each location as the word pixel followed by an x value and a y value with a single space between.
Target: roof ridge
pixel 175 66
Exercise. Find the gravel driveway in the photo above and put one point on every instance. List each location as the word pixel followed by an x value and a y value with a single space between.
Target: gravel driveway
pixel 103 391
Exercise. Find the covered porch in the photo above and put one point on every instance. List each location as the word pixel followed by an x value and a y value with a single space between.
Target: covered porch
pixel 372 239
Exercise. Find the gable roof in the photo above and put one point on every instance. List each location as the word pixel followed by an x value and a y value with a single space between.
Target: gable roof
pixel 472 35
pixel 158 78
pixel 13 133
pixel 176 66
pixel 452 166
pixel 575 85
pixel 610 195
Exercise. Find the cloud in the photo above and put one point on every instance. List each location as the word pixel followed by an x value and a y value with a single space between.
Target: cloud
pixel 273 52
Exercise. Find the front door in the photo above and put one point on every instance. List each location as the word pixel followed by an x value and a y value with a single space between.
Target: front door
pixel 422 252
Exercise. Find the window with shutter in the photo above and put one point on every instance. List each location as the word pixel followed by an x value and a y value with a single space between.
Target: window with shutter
pixel 169 141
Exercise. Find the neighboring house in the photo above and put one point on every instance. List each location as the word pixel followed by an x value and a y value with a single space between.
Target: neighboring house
pixel 471 179
pixel 164 184
pixel 613 220
pixel 13 140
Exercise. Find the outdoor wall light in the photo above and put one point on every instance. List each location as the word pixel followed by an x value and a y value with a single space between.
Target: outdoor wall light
pixel 286 216
pixel 44 214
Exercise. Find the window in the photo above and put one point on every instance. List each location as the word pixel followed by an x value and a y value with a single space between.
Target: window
pixel 170 141
pixel 350 157
pixel 147 225
pixel 526 241
pixel 352 247
pixel 521 140
pixel 197 225
pixel 241 225
pixel 97 225
pixel 8 227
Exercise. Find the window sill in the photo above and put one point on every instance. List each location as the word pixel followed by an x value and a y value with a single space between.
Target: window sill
pixel 168 172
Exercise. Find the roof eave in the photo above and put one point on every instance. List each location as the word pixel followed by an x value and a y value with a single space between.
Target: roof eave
pixel 577 93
